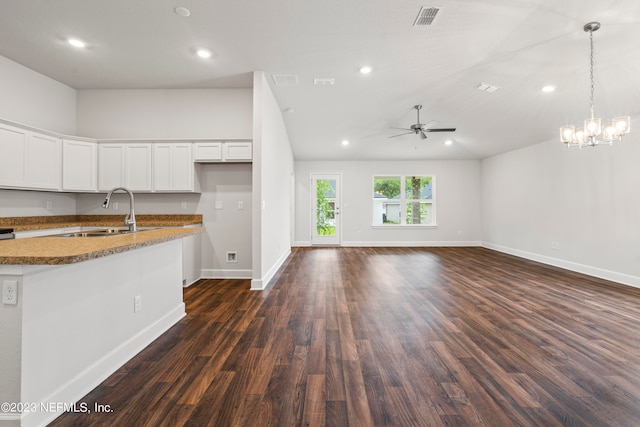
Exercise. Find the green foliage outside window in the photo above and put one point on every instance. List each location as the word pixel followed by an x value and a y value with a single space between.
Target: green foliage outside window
pixel 325 203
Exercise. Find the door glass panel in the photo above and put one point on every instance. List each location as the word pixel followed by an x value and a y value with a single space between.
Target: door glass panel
pixel 325 207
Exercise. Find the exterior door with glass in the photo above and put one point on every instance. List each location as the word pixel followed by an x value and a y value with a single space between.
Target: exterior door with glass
pixel 325 209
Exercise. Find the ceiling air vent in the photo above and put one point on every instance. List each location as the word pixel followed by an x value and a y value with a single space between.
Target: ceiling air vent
pixel 324 81
pixel 285 79
pixel 487 87
pixel 426 16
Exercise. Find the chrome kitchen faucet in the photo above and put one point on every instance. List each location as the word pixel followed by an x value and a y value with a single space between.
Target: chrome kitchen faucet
pixel 130 219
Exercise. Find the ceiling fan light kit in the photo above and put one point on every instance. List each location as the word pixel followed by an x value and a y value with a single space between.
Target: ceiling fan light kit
pixel 592 129
pixel 419 128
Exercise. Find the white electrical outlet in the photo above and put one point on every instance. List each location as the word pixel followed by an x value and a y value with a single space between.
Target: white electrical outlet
pixel 232 256
pixel 183 205
pixel 555 246
pixel 115 206
pixel 49 205
pixel 137 303
pixel 240 204
pixel 10 292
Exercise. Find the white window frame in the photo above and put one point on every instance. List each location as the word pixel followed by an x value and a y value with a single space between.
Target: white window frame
pixel 403 201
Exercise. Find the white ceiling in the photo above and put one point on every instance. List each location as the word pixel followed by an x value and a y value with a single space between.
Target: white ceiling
pixel 517 45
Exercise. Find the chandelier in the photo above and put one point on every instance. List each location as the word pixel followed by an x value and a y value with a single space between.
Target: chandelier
pixel 592 130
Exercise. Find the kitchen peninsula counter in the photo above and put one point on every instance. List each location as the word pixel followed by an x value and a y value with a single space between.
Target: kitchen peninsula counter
pixel 83 306
pixel 52 250
pixel 27 223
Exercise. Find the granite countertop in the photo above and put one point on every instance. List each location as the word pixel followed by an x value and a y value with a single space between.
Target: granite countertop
pixel 25 223
pixel 68 250
pixel 50 250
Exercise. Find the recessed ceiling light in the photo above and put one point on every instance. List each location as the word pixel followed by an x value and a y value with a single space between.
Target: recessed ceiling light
pixel 548 88
pixel 77 43
pixel 345 142
pixel 203 53
pixel 182 11
pixel 448 142
pixel 365 70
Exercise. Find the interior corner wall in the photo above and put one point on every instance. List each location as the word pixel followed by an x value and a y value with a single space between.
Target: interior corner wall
pixel 578 209
pixel 272 172
pixel 36 100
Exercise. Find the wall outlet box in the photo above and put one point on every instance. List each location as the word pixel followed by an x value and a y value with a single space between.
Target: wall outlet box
pixel 10 292
pixel 137 303
pixel 232 256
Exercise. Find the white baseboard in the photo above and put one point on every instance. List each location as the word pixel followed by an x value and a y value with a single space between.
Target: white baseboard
pixel 262 283
pixel 91 377
pixel 405 244
pixel 212 273
pixel 394 244
pixel 613 276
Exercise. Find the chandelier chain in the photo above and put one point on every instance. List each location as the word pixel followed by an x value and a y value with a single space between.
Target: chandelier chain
pixel 591 73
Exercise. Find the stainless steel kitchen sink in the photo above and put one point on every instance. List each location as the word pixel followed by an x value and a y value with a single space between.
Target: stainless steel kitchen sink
pixel 100 232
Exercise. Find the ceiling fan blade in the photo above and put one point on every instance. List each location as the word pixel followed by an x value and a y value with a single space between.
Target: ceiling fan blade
pixel 392 127
pixel 422 134
pixel 441 130
pixel 393 136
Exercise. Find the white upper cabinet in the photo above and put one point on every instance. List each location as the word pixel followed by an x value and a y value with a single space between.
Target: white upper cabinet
pixel 125 165
pixel 79 165
pixel 13 160
pixel 29 159
pixel 219 151
pixel 236 151
pixel 173 168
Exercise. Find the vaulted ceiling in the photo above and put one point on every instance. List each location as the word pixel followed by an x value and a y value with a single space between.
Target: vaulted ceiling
pixel 519 46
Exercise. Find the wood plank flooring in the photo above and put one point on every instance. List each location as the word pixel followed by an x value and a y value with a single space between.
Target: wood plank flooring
pixel 389 337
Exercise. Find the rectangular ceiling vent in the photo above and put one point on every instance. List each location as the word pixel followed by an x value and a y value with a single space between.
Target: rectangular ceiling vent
pixel 324 81
pixel 487 87
pixel 426 16
pixel 285 79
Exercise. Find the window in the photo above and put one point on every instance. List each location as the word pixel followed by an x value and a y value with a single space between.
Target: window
pixel 403 200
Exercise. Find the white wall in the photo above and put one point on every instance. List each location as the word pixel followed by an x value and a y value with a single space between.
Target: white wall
pixel 457 192
pixel 586 201
pixel 34 203
pixel 272 172
pixel 33 99
pixel 170 113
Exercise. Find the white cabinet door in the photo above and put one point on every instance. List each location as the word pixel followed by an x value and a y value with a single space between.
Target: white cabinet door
pixel 162 167
pixel 208 151
pixel 13 160
pixel 124 165
pixel 110 166
pixel 79 165
pixel 234 151
pixel 44 162
pixel 182 168
pixel 173 167
pixel 138 173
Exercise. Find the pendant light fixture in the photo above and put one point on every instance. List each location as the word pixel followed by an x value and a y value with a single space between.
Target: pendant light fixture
pixel 592 130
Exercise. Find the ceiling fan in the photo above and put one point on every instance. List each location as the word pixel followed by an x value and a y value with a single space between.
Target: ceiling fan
pixel 419 128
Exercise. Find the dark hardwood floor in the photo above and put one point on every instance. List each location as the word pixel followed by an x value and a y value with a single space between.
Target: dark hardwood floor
pixel 389 337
